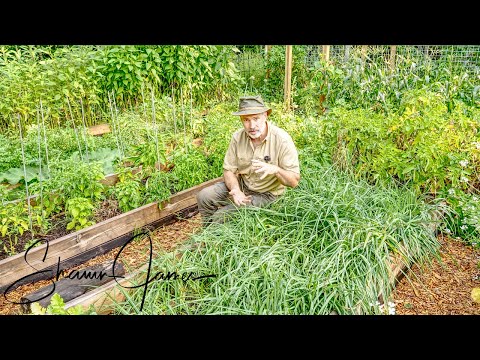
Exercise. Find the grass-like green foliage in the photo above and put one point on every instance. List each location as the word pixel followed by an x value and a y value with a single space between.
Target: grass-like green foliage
pixel 323 247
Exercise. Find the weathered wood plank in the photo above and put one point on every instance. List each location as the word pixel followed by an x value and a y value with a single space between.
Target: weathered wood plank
pixel 103 248
pixel 288 77
pixel 69 246
pixel 74 284
pixel 97 130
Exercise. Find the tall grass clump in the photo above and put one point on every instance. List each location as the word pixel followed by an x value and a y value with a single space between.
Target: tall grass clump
pixel 323 247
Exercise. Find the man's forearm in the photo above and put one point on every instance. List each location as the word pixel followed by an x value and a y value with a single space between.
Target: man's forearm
pixel 287 178
pixel 231 180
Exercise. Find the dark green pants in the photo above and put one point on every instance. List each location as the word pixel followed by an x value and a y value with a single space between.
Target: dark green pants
pixel 214 202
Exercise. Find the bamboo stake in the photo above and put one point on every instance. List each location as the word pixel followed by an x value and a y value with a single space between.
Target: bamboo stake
pixel 84 132
pixel 115 130
pixel 122 146
pixel 183 119
pixel 154 121
pixel 25 175
pixel 143 102
pixel 39 140
pixel 45 136
pixel 173 110
pixel 191 106
pixel 75 129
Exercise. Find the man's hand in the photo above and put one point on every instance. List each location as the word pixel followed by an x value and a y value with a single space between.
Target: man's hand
pixel 264 168
pixel 239 197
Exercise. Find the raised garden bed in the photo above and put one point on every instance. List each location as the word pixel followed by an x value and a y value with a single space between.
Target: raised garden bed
pixel 73 249
pixel 104 240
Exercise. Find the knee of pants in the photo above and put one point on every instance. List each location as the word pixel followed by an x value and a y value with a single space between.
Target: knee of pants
pixel 202 196
pixel 207 195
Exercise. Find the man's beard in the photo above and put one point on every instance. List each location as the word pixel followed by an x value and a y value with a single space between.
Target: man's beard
pixel 258 133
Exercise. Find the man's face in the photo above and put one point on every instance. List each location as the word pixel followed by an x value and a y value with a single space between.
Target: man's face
pixel 255 124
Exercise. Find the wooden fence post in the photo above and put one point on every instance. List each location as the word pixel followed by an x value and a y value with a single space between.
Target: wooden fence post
pixel 393 52
pixel 326 52
pixel 288 77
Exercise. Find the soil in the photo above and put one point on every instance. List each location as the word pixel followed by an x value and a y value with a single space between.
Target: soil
pixel 443 287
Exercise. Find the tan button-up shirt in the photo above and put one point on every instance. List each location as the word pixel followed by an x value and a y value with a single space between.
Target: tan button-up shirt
pixel 278 147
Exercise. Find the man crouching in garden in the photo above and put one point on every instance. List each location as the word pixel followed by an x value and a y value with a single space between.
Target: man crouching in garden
pixel 260 162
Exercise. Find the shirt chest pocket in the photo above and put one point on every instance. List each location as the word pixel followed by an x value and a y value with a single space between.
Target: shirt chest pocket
pixel 244 165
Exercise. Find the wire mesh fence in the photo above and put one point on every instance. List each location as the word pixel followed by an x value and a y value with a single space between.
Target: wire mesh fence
pixel 251 57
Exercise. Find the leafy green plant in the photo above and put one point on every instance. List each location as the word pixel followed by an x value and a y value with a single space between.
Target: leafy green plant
pixel 10 157
pixel 191 167
pixel 57 307
pixel 3 193
pixel 463 219
pixel 218 133
pixel 422 145
pixel 106 156
pixel 80 211
pixel 52 204
pixel 129 191
pixel 31 244
pixel 126 70
pixel 159 186
pixel 14 221
pixel 313 96
pixel 148 153
pixel 70 178
pixel 275 66
pixel 34 73
pixel 16 175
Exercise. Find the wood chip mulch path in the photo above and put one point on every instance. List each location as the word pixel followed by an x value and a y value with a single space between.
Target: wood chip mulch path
pixel 135 255
pixel 442 288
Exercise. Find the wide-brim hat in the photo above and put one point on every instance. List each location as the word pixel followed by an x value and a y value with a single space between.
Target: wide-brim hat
pixel 250 105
